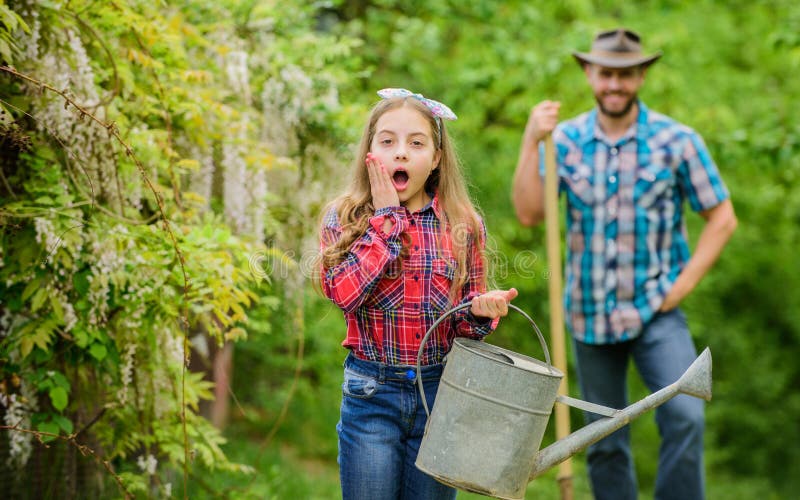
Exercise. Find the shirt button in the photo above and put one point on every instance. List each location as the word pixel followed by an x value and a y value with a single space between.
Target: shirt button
pixel 416 277
pixel 413 222
pixel 612 179
pixel 614 151
pixel 416 247
pixel 418 335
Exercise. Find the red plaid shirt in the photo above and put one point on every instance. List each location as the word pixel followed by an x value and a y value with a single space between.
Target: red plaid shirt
pixel 389 303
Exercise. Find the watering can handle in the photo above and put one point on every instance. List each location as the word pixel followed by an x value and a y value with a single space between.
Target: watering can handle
pixel 458 308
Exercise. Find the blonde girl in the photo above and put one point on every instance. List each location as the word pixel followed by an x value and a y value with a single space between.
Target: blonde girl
pixel 402 246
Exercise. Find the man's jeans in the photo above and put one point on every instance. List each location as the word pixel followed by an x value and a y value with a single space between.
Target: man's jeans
pixel 661 353
pixel 380 431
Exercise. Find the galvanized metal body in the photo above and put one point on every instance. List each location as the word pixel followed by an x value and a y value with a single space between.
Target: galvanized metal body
pixel 492 410
pixel 490 414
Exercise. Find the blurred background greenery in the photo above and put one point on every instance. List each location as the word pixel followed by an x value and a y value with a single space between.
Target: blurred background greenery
pixel 728 71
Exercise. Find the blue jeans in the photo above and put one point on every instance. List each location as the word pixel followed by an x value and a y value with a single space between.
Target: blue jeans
pixel 662 352
pixel 380 431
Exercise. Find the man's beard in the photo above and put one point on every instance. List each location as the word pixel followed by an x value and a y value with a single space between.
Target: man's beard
pixel 616 114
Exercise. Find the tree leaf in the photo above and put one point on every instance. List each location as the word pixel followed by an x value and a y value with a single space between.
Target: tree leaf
pixel 25 347
pixel 50 427
pixel 58 311
pixel 44 200
pixel 38 299
pixel 98 351
pixel 30 288
pixel 60 380
pixel 81 336
pixel 44 333
pixel 59 398
pixel 64 423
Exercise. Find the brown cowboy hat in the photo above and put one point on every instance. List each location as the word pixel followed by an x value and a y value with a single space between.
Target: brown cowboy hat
pixel 618 48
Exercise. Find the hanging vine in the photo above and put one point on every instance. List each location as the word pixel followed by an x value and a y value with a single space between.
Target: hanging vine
pixel 102 286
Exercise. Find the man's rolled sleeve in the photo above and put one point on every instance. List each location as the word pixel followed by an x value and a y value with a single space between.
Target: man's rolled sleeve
pixel 699 176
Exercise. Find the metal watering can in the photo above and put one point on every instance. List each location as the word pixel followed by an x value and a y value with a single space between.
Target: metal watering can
pixel 492 410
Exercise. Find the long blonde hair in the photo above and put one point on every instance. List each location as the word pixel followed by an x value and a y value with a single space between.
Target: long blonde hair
pixel 354 207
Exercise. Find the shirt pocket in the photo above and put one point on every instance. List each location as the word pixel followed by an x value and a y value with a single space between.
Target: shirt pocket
pixel 359 386
pixel 388 292
pixel 580 190
pixel 443 272
pixel 653 184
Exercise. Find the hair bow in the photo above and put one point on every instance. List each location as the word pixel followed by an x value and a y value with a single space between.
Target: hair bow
pixel 437 108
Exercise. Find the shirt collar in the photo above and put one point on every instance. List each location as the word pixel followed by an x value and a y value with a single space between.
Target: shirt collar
pixel 432 205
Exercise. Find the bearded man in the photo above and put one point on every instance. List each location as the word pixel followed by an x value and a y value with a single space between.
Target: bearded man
pixel 626 171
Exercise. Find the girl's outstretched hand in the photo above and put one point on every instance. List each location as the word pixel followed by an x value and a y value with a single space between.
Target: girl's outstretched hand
pixel 383 192
pixel 492 304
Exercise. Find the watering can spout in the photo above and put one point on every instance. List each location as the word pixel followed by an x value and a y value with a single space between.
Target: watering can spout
pixel 696 381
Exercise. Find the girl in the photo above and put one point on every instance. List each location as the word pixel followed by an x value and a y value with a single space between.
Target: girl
pixel 399 249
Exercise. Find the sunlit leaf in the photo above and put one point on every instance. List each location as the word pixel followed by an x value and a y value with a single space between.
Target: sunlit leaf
pixel 59 398
pixel 98 351
pixel 50 428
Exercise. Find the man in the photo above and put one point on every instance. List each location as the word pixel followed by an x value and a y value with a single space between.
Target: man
pixel 626 171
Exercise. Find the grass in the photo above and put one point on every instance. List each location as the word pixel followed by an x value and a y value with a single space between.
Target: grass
pixel 301 464
pixel 280 472
pixel 283 472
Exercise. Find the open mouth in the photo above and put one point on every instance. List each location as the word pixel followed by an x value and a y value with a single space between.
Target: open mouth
pixel 400 179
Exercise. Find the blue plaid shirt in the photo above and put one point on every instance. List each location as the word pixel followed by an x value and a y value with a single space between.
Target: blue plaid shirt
pixel 626 234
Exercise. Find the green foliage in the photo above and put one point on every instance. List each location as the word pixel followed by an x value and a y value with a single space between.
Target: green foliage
pixel 10 22
pixel 138 140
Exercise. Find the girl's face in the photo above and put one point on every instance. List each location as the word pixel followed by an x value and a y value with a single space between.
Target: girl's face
pixel 404 144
